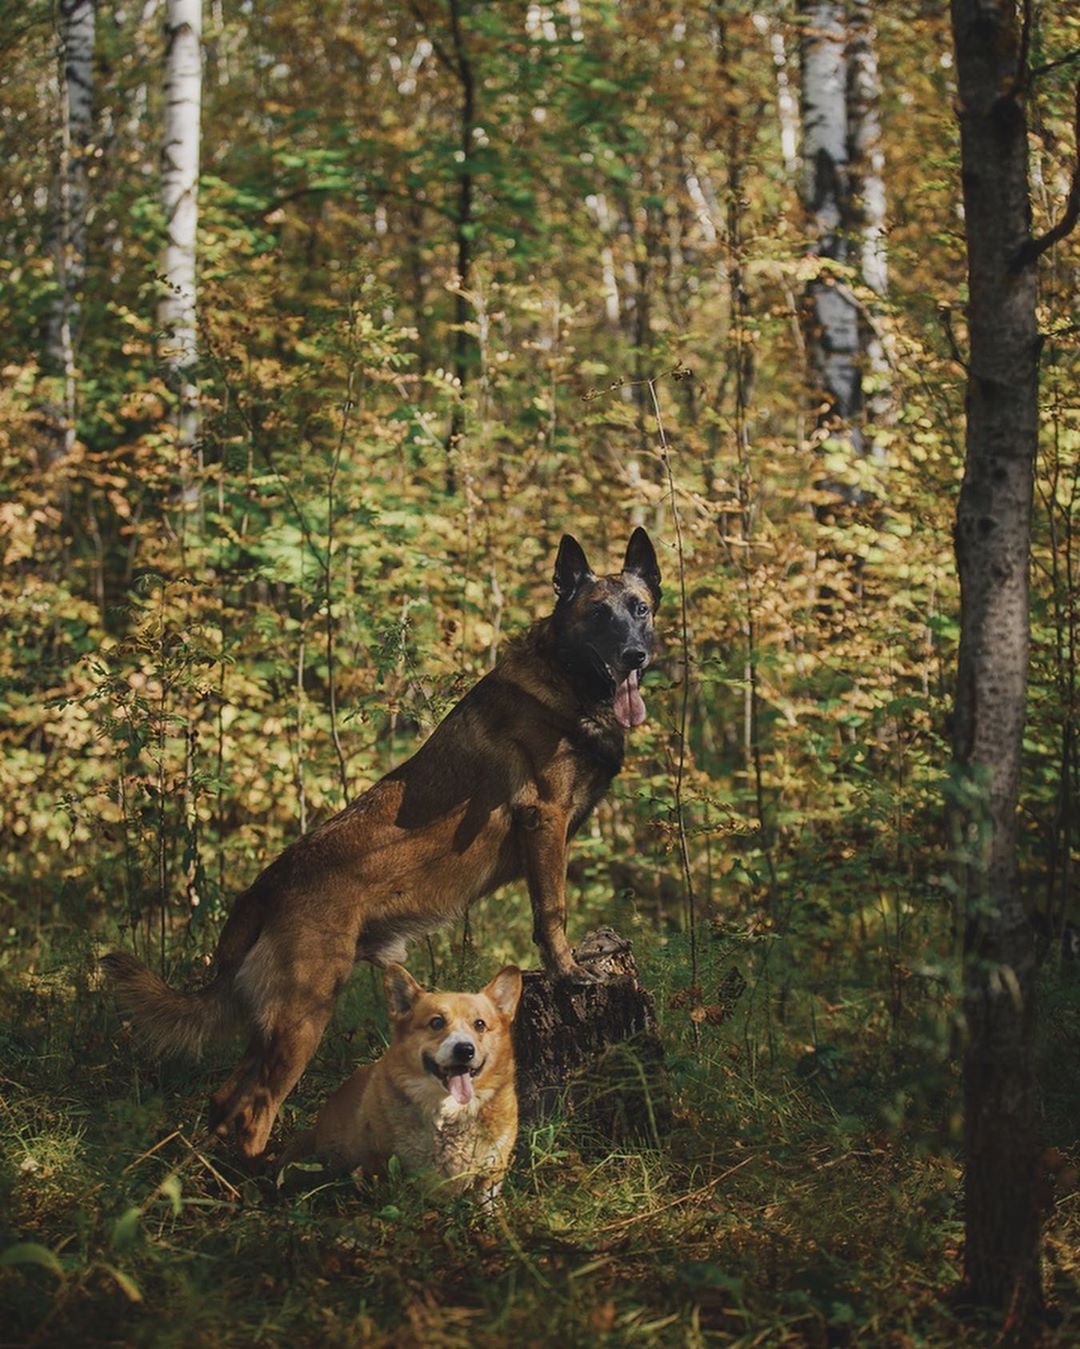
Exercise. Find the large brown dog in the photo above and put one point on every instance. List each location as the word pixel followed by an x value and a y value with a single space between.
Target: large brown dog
pixel 495 793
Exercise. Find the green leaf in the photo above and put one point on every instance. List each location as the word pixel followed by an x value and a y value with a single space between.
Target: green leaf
pixel 170 1188
pixel 125 1228
pixel 32 1253
pixel 124 1282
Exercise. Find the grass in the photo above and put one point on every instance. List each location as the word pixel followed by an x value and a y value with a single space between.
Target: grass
pixel 807 1193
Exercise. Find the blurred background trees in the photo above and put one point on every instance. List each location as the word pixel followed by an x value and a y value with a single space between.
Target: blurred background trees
pixel 443 248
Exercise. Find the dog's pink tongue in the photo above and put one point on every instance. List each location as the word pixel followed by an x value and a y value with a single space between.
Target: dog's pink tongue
pixel 629 704
pixel 461 1087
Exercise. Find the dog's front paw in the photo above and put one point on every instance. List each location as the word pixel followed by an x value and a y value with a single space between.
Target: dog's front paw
pixel 576 975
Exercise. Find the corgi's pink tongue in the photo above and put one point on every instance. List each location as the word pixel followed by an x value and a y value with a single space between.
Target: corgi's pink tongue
pixel 461 1087
pixel 629 704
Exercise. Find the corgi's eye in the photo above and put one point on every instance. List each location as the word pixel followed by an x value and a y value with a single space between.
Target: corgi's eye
pixel 640 608
pixel 478 1024
pixel 437 1022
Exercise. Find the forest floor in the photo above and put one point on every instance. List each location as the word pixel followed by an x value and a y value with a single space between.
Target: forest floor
pixel 782 1207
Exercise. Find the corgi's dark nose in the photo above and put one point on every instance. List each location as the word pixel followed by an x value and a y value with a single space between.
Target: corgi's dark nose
pixel 633 658
pixel 464 1051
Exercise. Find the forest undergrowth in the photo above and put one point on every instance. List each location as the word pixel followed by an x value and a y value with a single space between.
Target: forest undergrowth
pixel 808 1191
pixel 418 365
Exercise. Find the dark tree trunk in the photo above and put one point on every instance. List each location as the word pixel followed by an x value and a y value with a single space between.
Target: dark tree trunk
pixel 993 529
pixel 593 1050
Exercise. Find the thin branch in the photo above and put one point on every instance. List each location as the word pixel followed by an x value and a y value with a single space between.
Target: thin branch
pixel 464 65
pixel 679 1199
pixel 380 193
pixel 677 373
pixel 331 667
pixel 436 46
pixel 1023 75
pixel 871 322
pixel 1035 248
pixel 463 228
pixel 945 315
pixel 1065 60
pixel 259 445
pixel 684 706
pixel 150 1151
pixel 297 193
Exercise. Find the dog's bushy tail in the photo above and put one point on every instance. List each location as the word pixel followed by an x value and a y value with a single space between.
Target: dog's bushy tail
pixel 170 1022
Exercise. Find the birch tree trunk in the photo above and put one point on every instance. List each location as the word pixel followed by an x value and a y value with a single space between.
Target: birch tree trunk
pixel 180 199
pixel 832 320
pixel 843 194
pixel 866 157
pixel 597 206
pixel 993 534
pixel 787 105
pixel 866 160
pixel 67 242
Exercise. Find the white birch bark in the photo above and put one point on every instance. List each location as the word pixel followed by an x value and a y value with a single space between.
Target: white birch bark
pixel 572 10
pixel 75 37
pixel 787 106
pixel 866 156
pixel 832 318
pixel 598 208
pixel 180 199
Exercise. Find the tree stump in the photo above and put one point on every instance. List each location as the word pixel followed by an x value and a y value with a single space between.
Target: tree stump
pixel 593 1051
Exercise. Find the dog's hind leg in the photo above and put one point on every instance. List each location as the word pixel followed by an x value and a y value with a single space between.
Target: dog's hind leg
pixel 231 1097
pixel 286 1053
pixel 248 1103
pixel 291 1001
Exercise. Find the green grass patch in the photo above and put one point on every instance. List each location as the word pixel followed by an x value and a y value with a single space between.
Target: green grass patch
pixel 806 1194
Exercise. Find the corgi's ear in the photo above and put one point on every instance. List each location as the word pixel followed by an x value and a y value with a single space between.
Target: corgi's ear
pixel 505 991
pixel 402 990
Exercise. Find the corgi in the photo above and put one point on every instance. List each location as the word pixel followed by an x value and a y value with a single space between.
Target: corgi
pixel 441 1099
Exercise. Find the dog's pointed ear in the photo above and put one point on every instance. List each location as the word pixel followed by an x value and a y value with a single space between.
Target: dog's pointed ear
pixel 402 990
pixel 505 990
pixel 641 561
pixel 571 567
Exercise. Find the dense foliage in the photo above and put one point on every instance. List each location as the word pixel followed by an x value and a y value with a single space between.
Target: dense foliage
pixel 189 679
